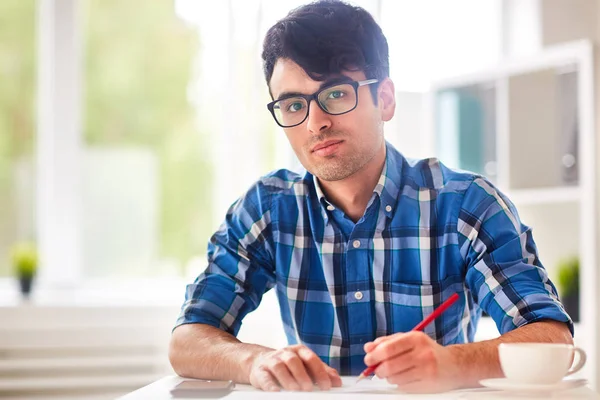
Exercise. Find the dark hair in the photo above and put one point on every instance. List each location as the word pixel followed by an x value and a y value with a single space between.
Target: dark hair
pixel 326 37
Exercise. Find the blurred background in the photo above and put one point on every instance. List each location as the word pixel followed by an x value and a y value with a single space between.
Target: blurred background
pixel 127 128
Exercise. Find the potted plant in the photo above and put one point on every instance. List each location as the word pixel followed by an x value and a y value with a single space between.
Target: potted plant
pixel 25 262
pixel 568 285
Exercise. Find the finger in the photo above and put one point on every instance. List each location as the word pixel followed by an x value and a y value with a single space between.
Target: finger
pixel 396 365
pixel 279 369
pixel 265 381
pixel 296 367
pixel 336 380
pixel 391 348
pixel 369 346
pixel 382 339
pixel 316 368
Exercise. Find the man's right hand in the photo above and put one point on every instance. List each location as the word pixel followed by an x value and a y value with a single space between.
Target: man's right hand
pixel 292 368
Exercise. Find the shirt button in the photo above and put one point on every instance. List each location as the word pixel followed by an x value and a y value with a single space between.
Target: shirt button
pixel 358 295
pixel 388 208
pixel 330 207
pixel 356 244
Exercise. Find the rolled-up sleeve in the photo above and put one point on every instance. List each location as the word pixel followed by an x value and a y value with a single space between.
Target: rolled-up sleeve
pixel 240 268
pixel 504 273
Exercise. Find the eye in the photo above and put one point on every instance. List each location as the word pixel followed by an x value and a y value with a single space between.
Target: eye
pixel 336 94
pixel 294 107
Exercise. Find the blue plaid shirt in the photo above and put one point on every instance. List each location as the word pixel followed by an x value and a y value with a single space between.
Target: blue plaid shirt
pixel 428 232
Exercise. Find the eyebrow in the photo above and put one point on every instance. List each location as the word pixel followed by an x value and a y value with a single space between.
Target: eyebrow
pixel 328 82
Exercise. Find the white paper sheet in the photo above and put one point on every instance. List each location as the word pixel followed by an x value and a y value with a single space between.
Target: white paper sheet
pixel 368 385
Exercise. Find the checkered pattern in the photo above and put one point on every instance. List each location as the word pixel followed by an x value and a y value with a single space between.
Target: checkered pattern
pixel 428 232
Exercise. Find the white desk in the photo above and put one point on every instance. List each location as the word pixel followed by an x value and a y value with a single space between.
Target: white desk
pixel 159 390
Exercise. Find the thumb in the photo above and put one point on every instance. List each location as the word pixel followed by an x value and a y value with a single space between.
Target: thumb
pixel 334 376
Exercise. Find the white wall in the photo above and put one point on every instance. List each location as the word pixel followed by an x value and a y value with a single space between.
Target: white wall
pixel 407 129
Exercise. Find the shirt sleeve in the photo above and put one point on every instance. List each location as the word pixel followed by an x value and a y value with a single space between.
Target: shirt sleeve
pixel 504 273
pixel 240 268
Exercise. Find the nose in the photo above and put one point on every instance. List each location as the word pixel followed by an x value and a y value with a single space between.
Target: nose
pixel 317 120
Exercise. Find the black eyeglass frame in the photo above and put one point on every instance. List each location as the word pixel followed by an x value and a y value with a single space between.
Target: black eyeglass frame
pixel 315 96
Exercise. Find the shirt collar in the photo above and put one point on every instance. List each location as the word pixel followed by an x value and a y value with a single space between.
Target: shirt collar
pixel 323 203
pixel 387 188
pixel 390 180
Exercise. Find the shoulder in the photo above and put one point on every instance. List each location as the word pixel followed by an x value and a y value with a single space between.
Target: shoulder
pixel 284 182
pixel 467 190
pixel 430 174
pixel 276 185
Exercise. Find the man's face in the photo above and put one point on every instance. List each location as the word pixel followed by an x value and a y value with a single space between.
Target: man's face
pixel 331 147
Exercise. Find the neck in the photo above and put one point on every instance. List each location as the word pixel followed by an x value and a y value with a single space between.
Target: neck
pixel 353 193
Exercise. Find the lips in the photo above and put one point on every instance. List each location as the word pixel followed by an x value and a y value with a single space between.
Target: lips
pixel 325 145
pixel 327 149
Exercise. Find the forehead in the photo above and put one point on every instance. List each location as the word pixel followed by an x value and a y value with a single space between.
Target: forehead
pixel 290 77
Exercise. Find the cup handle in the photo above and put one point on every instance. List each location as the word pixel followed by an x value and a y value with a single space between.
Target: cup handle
pixel 580 362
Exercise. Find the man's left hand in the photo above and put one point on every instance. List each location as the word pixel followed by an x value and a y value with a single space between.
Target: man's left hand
pixel 414 362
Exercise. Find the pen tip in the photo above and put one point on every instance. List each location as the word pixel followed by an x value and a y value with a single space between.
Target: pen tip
pixel 360 377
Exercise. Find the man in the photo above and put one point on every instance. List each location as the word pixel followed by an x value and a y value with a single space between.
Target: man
pixel 362 245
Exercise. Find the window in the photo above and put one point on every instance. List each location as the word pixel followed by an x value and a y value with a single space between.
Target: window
pixel 17 125
pixel 148 175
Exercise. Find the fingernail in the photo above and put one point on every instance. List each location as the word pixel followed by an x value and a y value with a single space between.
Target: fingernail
pixel 273 389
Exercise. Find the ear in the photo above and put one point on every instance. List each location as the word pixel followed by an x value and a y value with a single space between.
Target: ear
pixel 387 99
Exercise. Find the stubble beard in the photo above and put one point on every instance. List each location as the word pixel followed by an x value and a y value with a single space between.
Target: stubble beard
pixel 336 167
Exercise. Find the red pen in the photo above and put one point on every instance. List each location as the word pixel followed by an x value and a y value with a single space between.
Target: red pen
pixel 436 313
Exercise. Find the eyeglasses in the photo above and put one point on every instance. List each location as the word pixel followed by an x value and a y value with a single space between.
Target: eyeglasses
pixel 335 100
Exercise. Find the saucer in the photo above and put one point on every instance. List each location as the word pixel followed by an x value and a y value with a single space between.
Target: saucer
pixel 512 386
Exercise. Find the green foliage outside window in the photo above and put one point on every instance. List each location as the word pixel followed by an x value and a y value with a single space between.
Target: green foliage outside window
pixel 138 66
pixel 17 115
pixel 138 63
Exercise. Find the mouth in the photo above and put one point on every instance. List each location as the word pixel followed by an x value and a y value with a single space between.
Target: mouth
pixel 327 147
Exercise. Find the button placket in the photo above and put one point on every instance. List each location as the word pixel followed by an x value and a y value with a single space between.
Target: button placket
pixel 358 293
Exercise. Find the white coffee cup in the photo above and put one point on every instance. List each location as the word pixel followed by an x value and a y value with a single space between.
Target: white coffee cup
pixel 539 363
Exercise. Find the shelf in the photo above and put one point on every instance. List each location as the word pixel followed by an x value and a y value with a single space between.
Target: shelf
pixel 558 57
pixel 82 363
pixel 545 195
pixel 105 383
pixel 545 157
